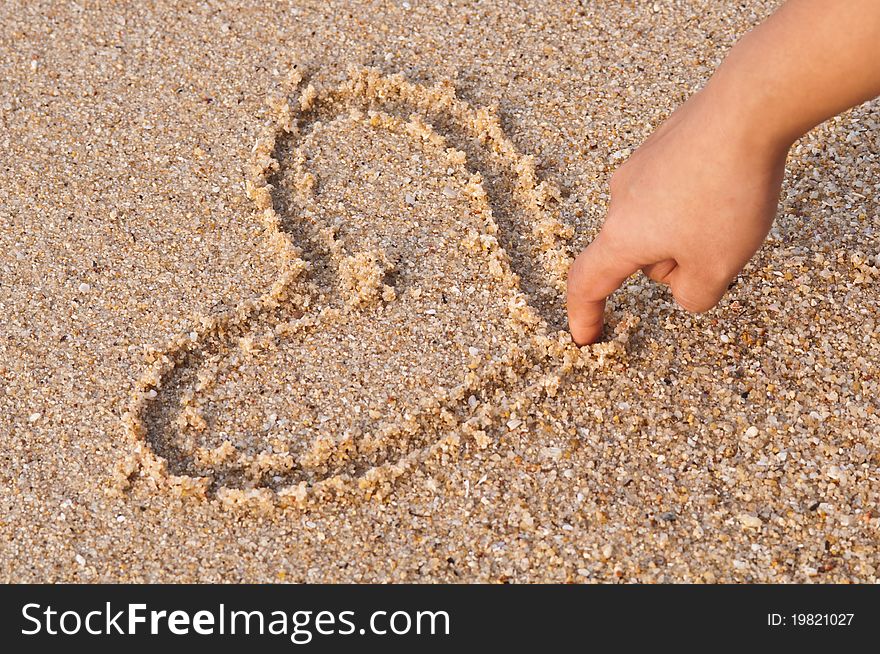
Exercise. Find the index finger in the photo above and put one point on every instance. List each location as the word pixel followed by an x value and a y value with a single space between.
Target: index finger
pixel 597 272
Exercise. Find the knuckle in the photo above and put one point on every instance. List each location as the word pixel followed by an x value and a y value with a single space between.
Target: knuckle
pixel 613 238
pixel 617 181
pixel 719 278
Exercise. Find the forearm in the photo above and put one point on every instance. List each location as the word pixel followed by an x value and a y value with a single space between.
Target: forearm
pixel 809 61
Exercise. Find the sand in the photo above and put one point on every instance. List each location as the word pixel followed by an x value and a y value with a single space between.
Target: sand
pixel 282 301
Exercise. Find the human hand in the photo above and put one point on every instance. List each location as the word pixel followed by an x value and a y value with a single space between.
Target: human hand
pixel 695 201
pixel 689 208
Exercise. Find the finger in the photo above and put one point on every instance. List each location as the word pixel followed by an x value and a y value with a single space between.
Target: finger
pixel 596 273
pixel 697 292
pixel 660 271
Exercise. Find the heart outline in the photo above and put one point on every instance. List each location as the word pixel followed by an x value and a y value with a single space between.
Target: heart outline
pixel 369 87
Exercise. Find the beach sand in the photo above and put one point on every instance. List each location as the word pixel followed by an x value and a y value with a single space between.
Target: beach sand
pixel 281 300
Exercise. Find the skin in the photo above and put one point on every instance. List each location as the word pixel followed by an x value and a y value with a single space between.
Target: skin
pixel 694 203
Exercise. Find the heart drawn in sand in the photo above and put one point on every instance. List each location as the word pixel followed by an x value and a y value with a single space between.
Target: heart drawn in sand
pixel 404 287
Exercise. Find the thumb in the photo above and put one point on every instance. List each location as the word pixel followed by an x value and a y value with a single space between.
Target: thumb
pixel 597 272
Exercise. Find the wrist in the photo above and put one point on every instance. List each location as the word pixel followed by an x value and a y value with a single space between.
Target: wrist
pixel 751 98
pixel 749 119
